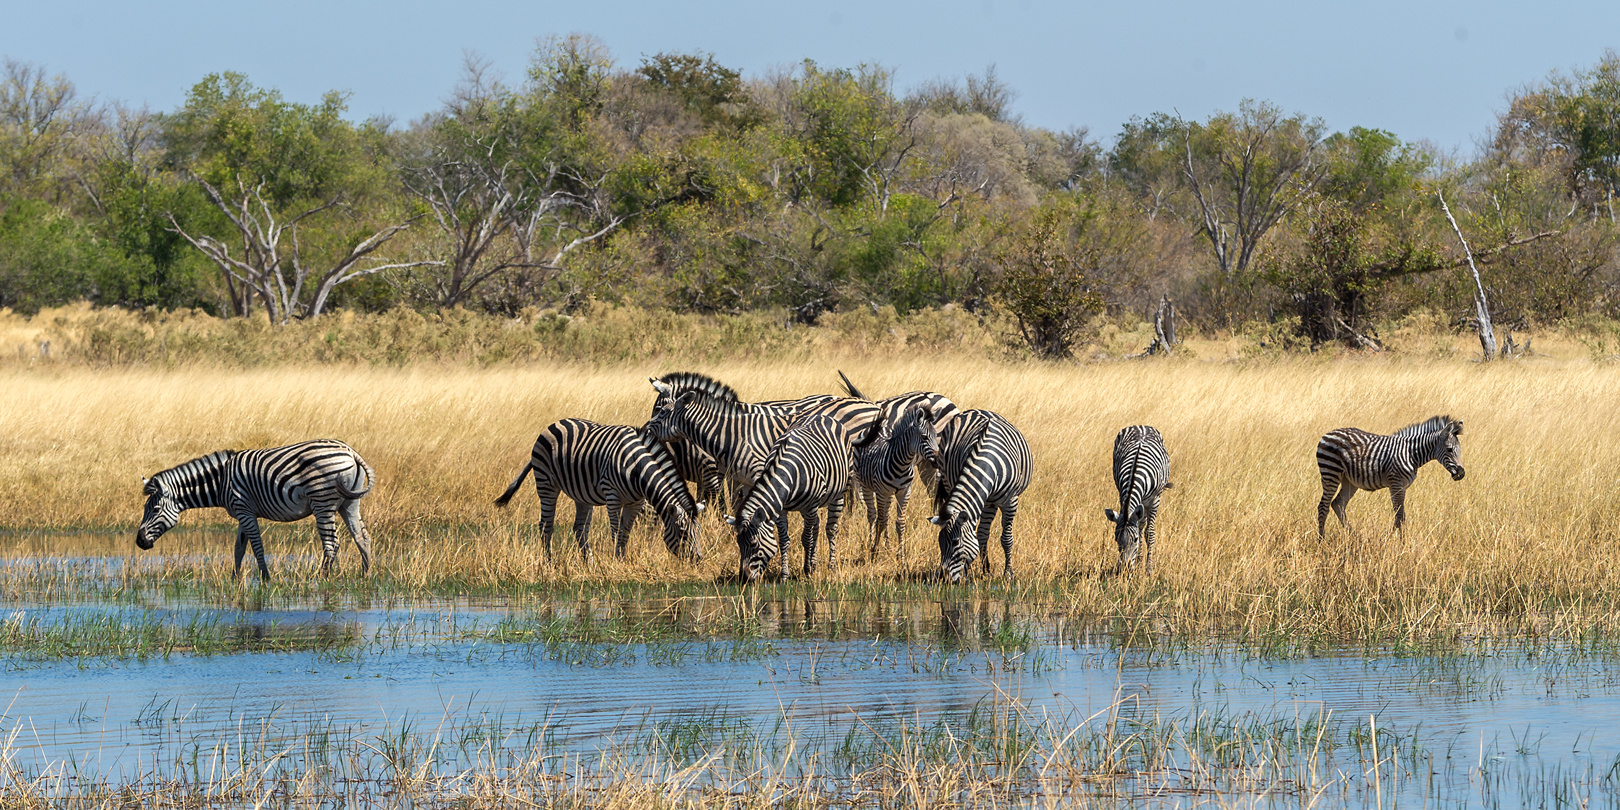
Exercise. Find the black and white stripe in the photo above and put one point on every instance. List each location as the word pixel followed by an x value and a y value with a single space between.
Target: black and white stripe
pixel 1142 473
pixel 986 465
pixel 940 406
pixel 886 468
pixel 1352 459
pixel 324 478
pixel 694 465
pixel 615 466
pixel 808 468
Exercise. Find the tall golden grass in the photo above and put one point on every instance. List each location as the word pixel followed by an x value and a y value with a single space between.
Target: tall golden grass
pixel 1526 543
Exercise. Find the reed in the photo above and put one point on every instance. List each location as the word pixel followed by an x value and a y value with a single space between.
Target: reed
pixel 1524 545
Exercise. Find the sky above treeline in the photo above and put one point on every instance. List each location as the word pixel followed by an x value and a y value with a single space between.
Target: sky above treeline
pixel 1436 71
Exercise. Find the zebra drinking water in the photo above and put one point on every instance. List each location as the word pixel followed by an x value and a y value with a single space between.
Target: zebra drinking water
pixel 322 477
pixel 1142 473
pixel 808 468
pixel 615 466
pixel 1352 459
pixel 986 465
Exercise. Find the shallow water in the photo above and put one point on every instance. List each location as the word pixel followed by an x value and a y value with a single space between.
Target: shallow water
pixel 806 669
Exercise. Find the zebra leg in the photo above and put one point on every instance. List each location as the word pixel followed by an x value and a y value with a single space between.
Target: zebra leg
pixel 835 512
pixel 350 510
pixel 985 518
pixel 1330 487
pixel 548 512
pixel 248 526
pixel 1149 529
pixel 1397 498
pixel 881 525
pixel 326 527
pixel 812 522
pixel 1009 513
pixel 1339 503
pixel 582 527
pixel 901 498
pixel 241 548
pixel 869 497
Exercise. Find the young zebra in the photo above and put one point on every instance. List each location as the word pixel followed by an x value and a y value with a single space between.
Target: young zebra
pixel 1352 459
pixel 322 477
pixel 894 407
pixel 886 468
pixel 615 466
pixel 807 469
pixel 986 465
pixel 1142 473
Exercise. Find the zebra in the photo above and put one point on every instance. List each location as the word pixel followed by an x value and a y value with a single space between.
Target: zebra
pixel 808 468
pixel 885 470
pixel 1142 473
pixel 693 464
pixel 323 478
pixel 943 409
pixel 615 466
pixel 986 465
pixel 1352 459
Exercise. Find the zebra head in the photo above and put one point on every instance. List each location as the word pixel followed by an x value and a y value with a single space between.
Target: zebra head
pixel 959 541
pixel 751 553
pixel 681 534
pixel 162 512
pixel 1450 452
pixel 926 441
pixel 668 422
pixel 1127 534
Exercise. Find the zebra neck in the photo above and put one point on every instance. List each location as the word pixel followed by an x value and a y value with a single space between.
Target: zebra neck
pixel 200 493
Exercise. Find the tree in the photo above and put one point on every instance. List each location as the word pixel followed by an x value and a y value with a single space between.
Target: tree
pixel 1572 122
pixel 1062 265
pixel 40 124
pixel 286 177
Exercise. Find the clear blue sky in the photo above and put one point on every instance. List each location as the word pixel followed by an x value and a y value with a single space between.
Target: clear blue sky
pixel 1423 70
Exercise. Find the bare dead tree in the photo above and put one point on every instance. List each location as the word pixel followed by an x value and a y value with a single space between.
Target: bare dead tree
pixel 277 273
pixel 1482 310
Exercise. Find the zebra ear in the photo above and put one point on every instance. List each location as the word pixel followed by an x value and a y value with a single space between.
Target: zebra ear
pixel 731 520
pixel 661 387
pixel 700 507
pixel 934 519
pixel 1456 428
pixel 1113 517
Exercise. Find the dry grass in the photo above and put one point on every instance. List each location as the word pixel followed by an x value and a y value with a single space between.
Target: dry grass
pixel 1526 543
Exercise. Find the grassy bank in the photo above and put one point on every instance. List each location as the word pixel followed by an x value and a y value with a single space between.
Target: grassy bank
pixel 1525 544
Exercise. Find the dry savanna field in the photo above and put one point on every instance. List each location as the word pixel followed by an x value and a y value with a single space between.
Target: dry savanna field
pixel 1527 543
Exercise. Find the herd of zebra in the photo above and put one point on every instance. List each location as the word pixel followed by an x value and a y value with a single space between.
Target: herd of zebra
pixel 779 456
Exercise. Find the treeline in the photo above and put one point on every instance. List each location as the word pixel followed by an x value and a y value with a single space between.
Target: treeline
pixel 679 184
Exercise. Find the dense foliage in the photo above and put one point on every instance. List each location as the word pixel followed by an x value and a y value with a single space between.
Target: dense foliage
pixel 680 184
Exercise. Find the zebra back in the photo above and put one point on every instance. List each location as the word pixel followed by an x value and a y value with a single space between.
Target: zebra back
pixel 985 459
pixel 320 467
pixel 735 436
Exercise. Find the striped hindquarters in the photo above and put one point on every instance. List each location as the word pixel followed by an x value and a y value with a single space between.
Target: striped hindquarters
pixel 1141 467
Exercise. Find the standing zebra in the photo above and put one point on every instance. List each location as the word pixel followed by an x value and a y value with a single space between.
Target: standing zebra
pixel 807 469
pixel 894 408
pixel 322 477
pixel 614 466
pixel 986 466
pixel 886 467
pixel 693 464
pixel 1142 473
pixel 1352 459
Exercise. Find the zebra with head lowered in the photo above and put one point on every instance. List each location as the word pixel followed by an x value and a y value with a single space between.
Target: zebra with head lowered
pixel 321 478
pixel 1352 459
pixel 1142 473
pixel 615 466
pixel 808 468
pixel 986 465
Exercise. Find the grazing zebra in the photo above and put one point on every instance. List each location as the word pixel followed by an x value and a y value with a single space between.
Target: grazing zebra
pixel 885 469
pixel 615 466
pixel 986 466
pixel 808 468
pixel 1352 459
pixel 1142 473
pixel 322 477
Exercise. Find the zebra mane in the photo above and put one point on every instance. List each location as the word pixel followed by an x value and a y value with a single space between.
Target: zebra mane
pixel 683 381
pixel 187 476
pixel 1426 428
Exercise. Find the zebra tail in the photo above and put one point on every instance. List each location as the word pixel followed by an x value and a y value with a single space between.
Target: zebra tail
pixel 516 482
pixel 850 387
pixel 363 483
